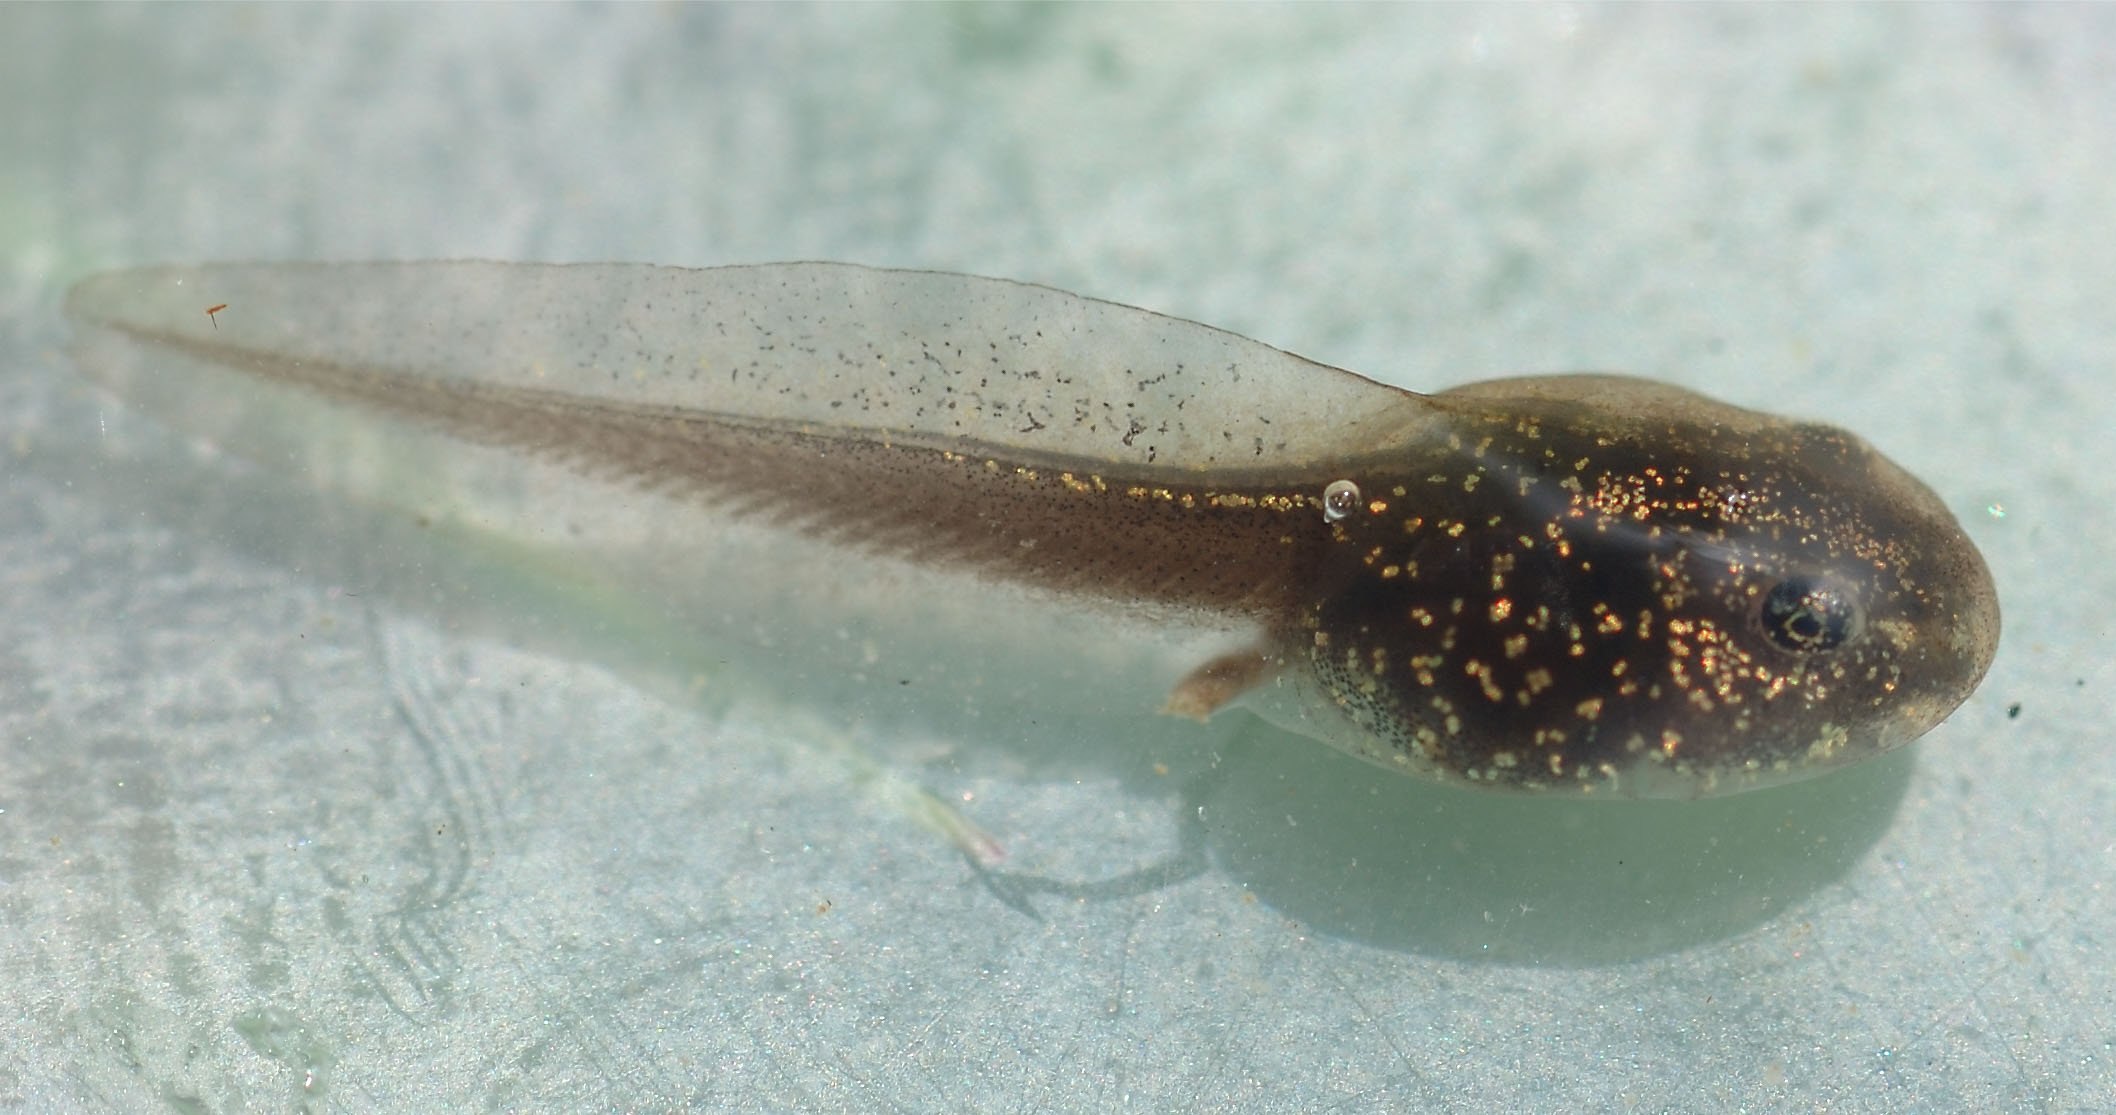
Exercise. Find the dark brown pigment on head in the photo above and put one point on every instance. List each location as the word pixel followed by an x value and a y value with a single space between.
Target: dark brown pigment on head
pixel 1643 591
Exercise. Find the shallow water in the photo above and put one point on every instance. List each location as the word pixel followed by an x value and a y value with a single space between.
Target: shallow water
pixel 277 834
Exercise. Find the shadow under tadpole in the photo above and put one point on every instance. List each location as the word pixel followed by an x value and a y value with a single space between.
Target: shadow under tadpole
pixel 1361 853
pixel 1344 847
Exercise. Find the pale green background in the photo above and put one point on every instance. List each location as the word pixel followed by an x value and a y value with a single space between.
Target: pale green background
pixel 269 842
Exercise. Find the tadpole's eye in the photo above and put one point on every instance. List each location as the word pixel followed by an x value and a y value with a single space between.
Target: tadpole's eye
pixel 1806 615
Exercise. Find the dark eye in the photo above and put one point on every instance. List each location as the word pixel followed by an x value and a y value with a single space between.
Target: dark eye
pixel 1806 615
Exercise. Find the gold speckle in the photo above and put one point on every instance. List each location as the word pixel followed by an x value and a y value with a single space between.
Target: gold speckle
pixel 1829 741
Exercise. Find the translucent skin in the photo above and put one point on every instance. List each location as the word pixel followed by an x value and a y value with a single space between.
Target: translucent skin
pixel 1587 584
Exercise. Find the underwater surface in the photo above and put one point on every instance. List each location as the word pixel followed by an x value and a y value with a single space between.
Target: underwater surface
pixel 306 806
